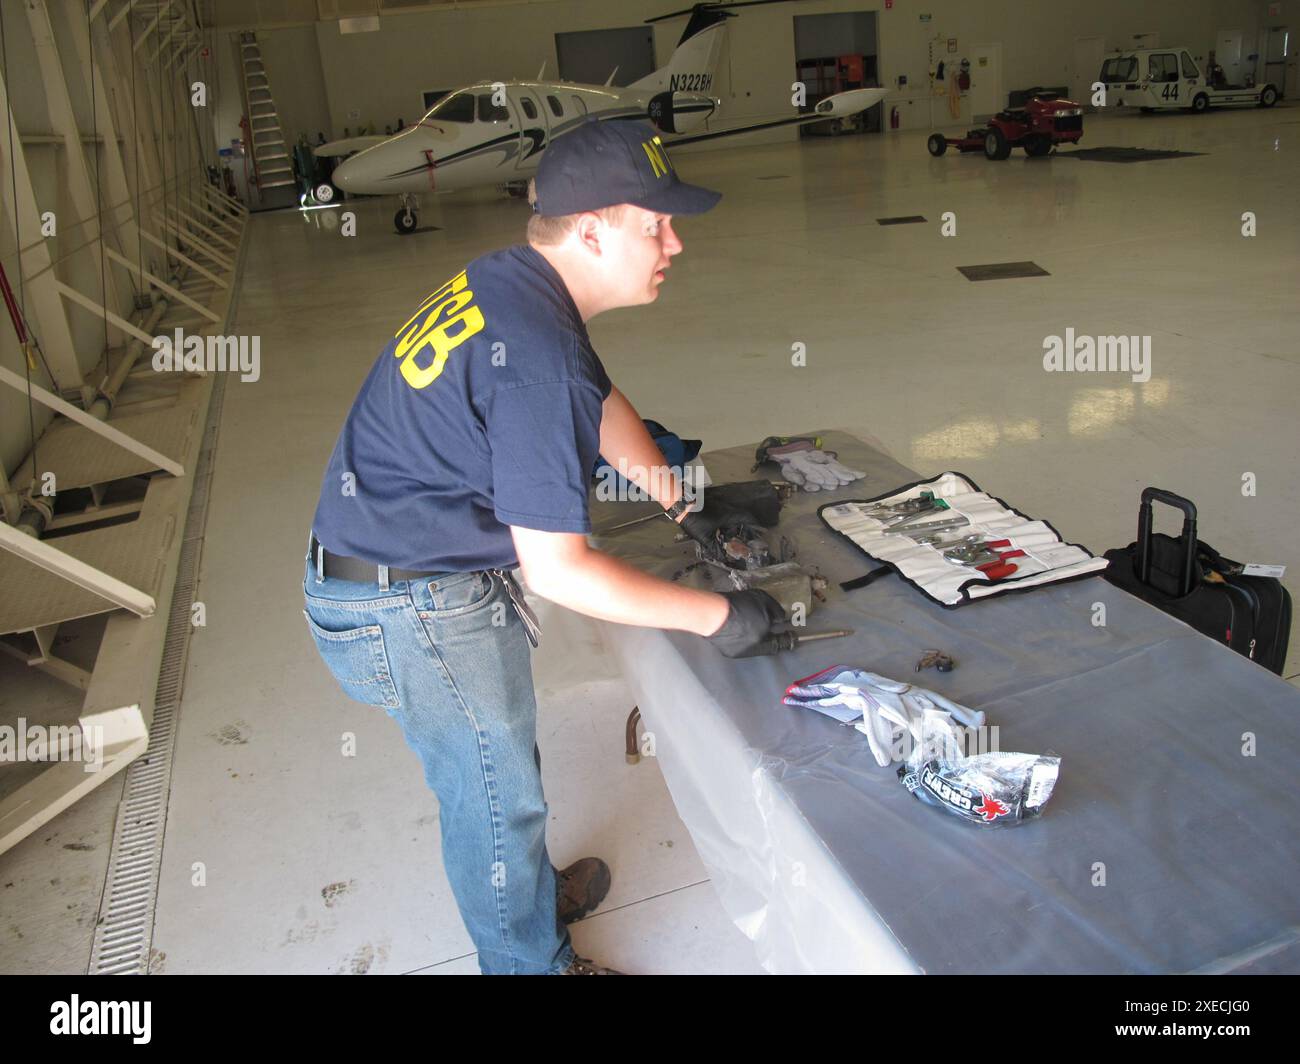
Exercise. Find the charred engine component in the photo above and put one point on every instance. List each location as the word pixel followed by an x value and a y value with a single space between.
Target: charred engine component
pixel 744 547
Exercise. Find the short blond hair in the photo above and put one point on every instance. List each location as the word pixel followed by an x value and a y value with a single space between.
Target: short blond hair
pixel 547 231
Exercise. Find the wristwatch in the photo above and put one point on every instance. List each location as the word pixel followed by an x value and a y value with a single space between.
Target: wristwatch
pixel 678 508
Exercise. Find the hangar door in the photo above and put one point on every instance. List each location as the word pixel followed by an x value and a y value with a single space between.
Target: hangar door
pixel 834 53
pixel 590 56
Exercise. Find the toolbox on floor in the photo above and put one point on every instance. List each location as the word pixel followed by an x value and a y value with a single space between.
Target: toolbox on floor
pixel 1190 580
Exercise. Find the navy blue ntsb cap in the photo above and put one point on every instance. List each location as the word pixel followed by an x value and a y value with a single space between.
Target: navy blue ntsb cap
pixel 615 161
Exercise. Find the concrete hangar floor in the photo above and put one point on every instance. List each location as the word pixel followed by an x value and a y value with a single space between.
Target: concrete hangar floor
pixel 946 372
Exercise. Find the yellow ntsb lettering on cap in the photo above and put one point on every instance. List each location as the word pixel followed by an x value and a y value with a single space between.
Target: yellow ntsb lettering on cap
pixel 654 150
pixel 447 309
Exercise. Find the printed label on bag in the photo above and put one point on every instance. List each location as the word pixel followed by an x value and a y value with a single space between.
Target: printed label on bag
pixel 1042 778
pixel 1256 569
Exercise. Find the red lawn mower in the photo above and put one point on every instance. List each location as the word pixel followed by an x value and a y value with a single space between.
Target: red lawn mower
pixel 1043 122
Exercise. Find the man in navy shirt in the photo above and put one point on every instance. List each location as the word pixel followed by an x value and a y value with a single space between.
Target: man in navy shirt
pixel 468 453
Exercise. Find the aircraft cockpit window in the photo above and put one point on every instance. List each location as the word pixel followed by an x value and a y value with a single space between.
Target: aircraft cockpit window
pixel 456 108
pixel 579 106
pixel 528 107
pixel 557 108
pixel 489 111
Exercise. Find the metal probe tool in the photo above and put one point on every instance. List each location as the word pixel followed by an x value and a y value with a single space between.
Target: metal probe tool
pixel 790 640
pixel 629 524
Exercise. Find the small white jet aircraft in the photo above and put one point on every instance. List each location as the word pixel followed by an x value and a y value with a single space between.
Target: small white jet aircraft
pixel 494 133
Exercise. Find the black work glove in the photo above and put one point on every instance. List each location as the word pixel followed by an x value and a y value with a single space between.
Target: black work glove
pixel 701 524
pixel 748 630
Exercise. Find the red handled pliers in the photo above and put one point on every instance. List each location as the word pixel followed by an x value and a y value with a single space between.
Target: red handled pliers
pixel 986 557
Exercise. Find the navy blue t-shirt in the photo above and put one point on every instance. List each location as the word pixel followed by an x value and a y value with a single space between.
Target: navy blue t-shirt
pixel 483 411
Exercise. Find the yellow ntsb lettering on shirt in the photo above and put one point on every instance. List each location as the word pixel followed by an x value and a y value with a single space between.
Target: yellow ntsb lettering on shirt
pixel 445 320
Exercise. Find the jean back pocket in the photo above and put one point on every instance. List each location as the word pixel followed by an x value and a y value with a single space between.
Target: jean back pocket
pixel 358 661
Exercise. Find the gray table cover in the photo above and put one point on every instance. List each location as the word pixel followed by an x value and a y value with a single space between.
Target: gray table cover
pixel 1167 845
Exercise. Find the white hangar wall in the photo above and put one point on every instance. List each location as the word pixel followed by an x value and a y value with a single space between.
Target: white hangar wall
pixel 372 78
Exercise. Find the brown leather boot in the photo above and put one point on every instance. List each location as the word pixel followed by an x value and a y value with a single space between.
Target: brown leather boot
pixel 580 888
pixel 582 966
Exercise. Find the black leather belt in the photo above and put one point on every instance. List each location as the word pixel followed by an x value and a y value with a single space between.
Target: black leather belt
pixel 341 567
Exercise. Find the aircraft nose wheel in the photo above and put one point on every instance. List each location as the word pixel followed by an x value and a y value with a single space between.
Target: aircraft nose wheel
pixel 324 192
pixel 406 219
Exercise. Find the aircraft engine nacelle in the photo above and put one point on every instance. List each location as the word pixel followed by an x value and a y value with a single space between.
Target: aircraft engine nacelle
pixel 680 112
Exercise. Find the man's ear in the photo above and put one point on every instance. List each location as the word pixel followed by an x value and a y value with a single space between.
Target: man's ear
pixel 590 232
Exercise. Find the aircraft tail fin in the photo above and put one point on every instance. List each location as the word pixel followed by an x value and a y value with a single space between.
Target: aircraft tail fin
pixel 696 56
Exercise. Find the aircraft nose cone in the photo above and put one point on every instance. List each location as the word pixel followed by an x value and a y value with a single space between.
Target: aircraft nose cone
pixel 344 175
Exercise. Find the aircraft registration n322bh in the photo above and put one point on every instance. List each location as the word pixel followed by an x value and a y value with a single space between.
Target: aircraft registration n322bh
pixel 494 132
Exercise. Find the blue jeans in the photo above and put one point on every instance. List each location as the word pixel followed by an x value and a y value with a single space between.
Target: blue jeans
pixel 446 657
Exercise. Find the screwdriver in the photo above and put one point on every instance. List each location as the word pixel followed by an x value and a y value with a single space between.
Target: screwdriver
pixel 790 640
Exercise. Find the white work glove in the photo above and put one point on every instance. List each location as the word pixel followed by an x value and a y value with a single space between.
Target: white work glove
pixel 887 709
pixel 860 706
pixel 813 470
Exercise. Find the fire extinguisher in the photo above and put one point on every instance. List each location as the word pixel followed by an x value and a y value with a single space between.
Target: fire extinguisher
pixel 893 118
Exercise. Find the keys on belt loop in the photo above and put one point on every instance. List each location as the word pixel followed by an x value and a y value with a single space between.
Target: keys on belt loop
pixel 526 615
pixel 383 578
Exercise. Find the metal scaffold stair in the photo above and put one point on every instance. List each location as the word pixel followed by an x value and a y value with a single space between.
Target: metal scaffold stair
pixel 272 167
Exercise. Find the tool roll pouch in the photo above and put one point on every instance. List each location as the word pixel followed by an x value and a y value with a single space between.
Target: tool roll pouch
pixel 1047 559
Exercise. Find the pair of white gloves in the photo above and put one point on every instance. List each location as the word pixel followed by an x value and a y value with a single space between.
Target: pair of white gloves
pixel 886 711
pixel 804 466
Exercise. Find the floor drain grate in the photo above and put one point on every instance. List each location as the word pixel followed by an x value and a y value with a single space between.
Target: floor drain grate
pixel 1001 271
pixel 1125 155
pixel 123 939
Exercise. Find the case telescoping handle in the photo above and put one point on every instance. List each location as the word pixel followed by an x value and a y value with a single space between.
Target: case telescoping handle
pixel 1188 537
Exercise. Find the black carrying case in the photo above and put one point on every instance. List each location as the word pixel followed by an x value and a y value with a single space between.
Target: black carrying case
pixel 1190 580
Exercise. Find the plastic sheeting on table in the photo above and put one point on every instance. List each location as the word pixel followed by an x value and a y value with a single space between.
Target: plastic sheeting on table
pixel 826 862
